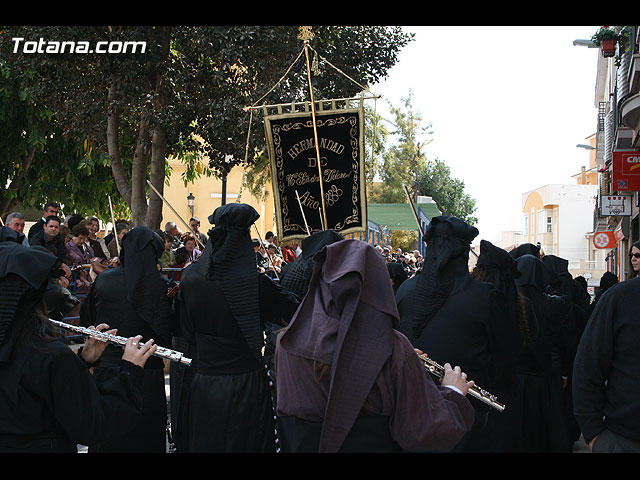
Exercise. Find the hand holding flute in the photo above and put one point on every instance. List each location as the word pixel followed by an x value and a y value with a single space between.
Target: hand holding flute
pixel 453 376
pixel 134 352
pixel 137 356
pixel 469 386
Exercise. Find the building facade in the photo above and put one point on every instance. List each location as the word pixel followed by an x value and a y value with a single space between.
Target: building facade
pixel 617 141
pixel 205 195
pixel 559 217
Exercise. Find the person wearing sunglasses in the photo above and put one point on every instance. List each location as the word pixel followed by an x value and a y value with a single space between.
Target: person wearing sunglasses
pixel 634 259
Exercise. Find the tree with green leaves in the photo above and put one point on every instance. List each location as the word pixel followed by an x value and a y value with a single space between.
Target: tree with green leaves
pixel 405 163
pixel 435 181
pixel 38 164
pixel 404 159
pixel 184 95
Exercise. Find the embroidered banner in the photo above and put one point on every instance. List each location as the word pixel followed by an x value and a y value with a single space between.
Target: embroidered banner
pixel 292 151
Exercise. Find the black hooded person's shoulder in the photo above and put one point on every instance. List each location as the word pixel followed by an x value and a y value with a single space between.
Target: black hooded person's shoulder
pixel 406 289
pixel 404 301
pixel 277 304
pixel 624 291
pixel 480 288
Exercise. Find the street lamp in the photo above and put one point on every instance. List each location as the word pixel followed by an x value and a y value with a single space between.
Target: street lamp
pixel 586 147
pixel 190 201
pixel 584 43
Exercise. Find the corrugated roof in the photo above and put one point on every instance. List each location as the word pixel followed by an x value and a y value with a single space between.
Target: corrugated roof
pixel 399 216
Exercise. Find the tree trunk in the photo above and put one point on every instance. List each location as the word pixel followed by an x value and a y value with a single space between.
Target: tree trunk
pixel 138 203
pixel 158 141
pixel 113 145
pixel 151 144
pixel 157 173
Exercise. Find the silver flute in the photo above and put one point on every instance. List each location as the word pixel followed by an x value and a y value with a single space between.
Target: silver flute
pixel 481 394
pixel 167 353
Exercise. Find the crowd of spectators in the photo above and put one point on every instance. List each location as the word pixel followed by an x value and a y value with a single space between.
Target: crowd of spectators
pixel 271 256
pixel 81 253
pixel 411 261
pixel 84 253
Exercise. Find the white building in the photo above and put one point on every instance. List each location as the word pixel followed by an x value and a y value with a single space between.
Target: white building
pixel 561 217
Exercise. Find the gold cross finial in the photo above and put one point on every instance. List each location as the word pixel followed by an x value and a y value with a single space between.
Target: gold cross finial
pixel 305 34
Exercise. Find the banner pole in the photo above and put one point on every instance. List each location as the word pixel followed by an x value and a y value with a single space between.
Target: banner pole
pixel 413 209
pixel 113 220
pixel 304 217
pixel 176 214
pixel 305 36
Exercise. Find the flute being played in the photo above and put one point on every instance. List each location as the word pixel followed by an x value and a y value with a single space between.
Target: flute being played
pixel 475 391
pixel 167 353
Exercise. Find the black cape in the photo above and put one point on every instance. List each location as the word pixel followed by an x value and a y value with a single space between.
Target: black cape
pixel 543 425
pixel 133 299
pixel 48 400
pixel 225 400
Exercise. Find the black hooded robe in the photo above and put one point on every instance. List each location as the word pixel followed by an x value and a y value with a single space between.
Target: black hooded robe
pixel 133 299
pixel 569 334
pixel 543 422
pixel 49 403
pixel 224 306
pixel 462 321
pixel 497 267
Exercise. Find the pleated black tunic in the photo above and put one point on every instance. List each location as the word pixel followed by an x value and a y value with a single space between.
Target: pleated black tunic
pixel 227 406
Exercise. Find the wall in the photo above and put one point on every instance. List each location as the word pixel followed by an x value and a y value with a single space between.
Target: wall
pixel 207 191
pixel 571 209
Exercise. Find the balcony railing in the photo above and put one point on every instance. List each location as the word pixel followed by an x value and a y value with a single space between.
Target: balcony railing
pixel 588 265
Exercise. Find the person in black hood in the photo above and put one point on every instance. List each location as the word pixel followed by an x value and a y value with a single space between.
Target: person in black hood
pixel 543 426
pixel 457 319
pixel 607 281
pixel 497 267
pixel 296 275
pixel 225 405
pixel 397 274
pixel 133 298
pixel 49 402
pixel 569 333
pixel 57 298
pixel 525 249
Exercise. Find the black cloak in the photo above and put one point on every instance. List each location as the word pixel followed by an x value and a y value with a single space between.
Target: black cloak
pixel 544 427
pixel 455 318
pixel 223 402
pixel 227 258
pixel 48 400
pixel 24 274
pixel 133 298
pixel 501 270
pixel 525 249
pixel 446 258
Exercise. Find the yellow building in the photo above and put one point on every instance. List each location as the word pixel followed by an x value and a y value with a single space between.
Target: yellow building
pixel 207 193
